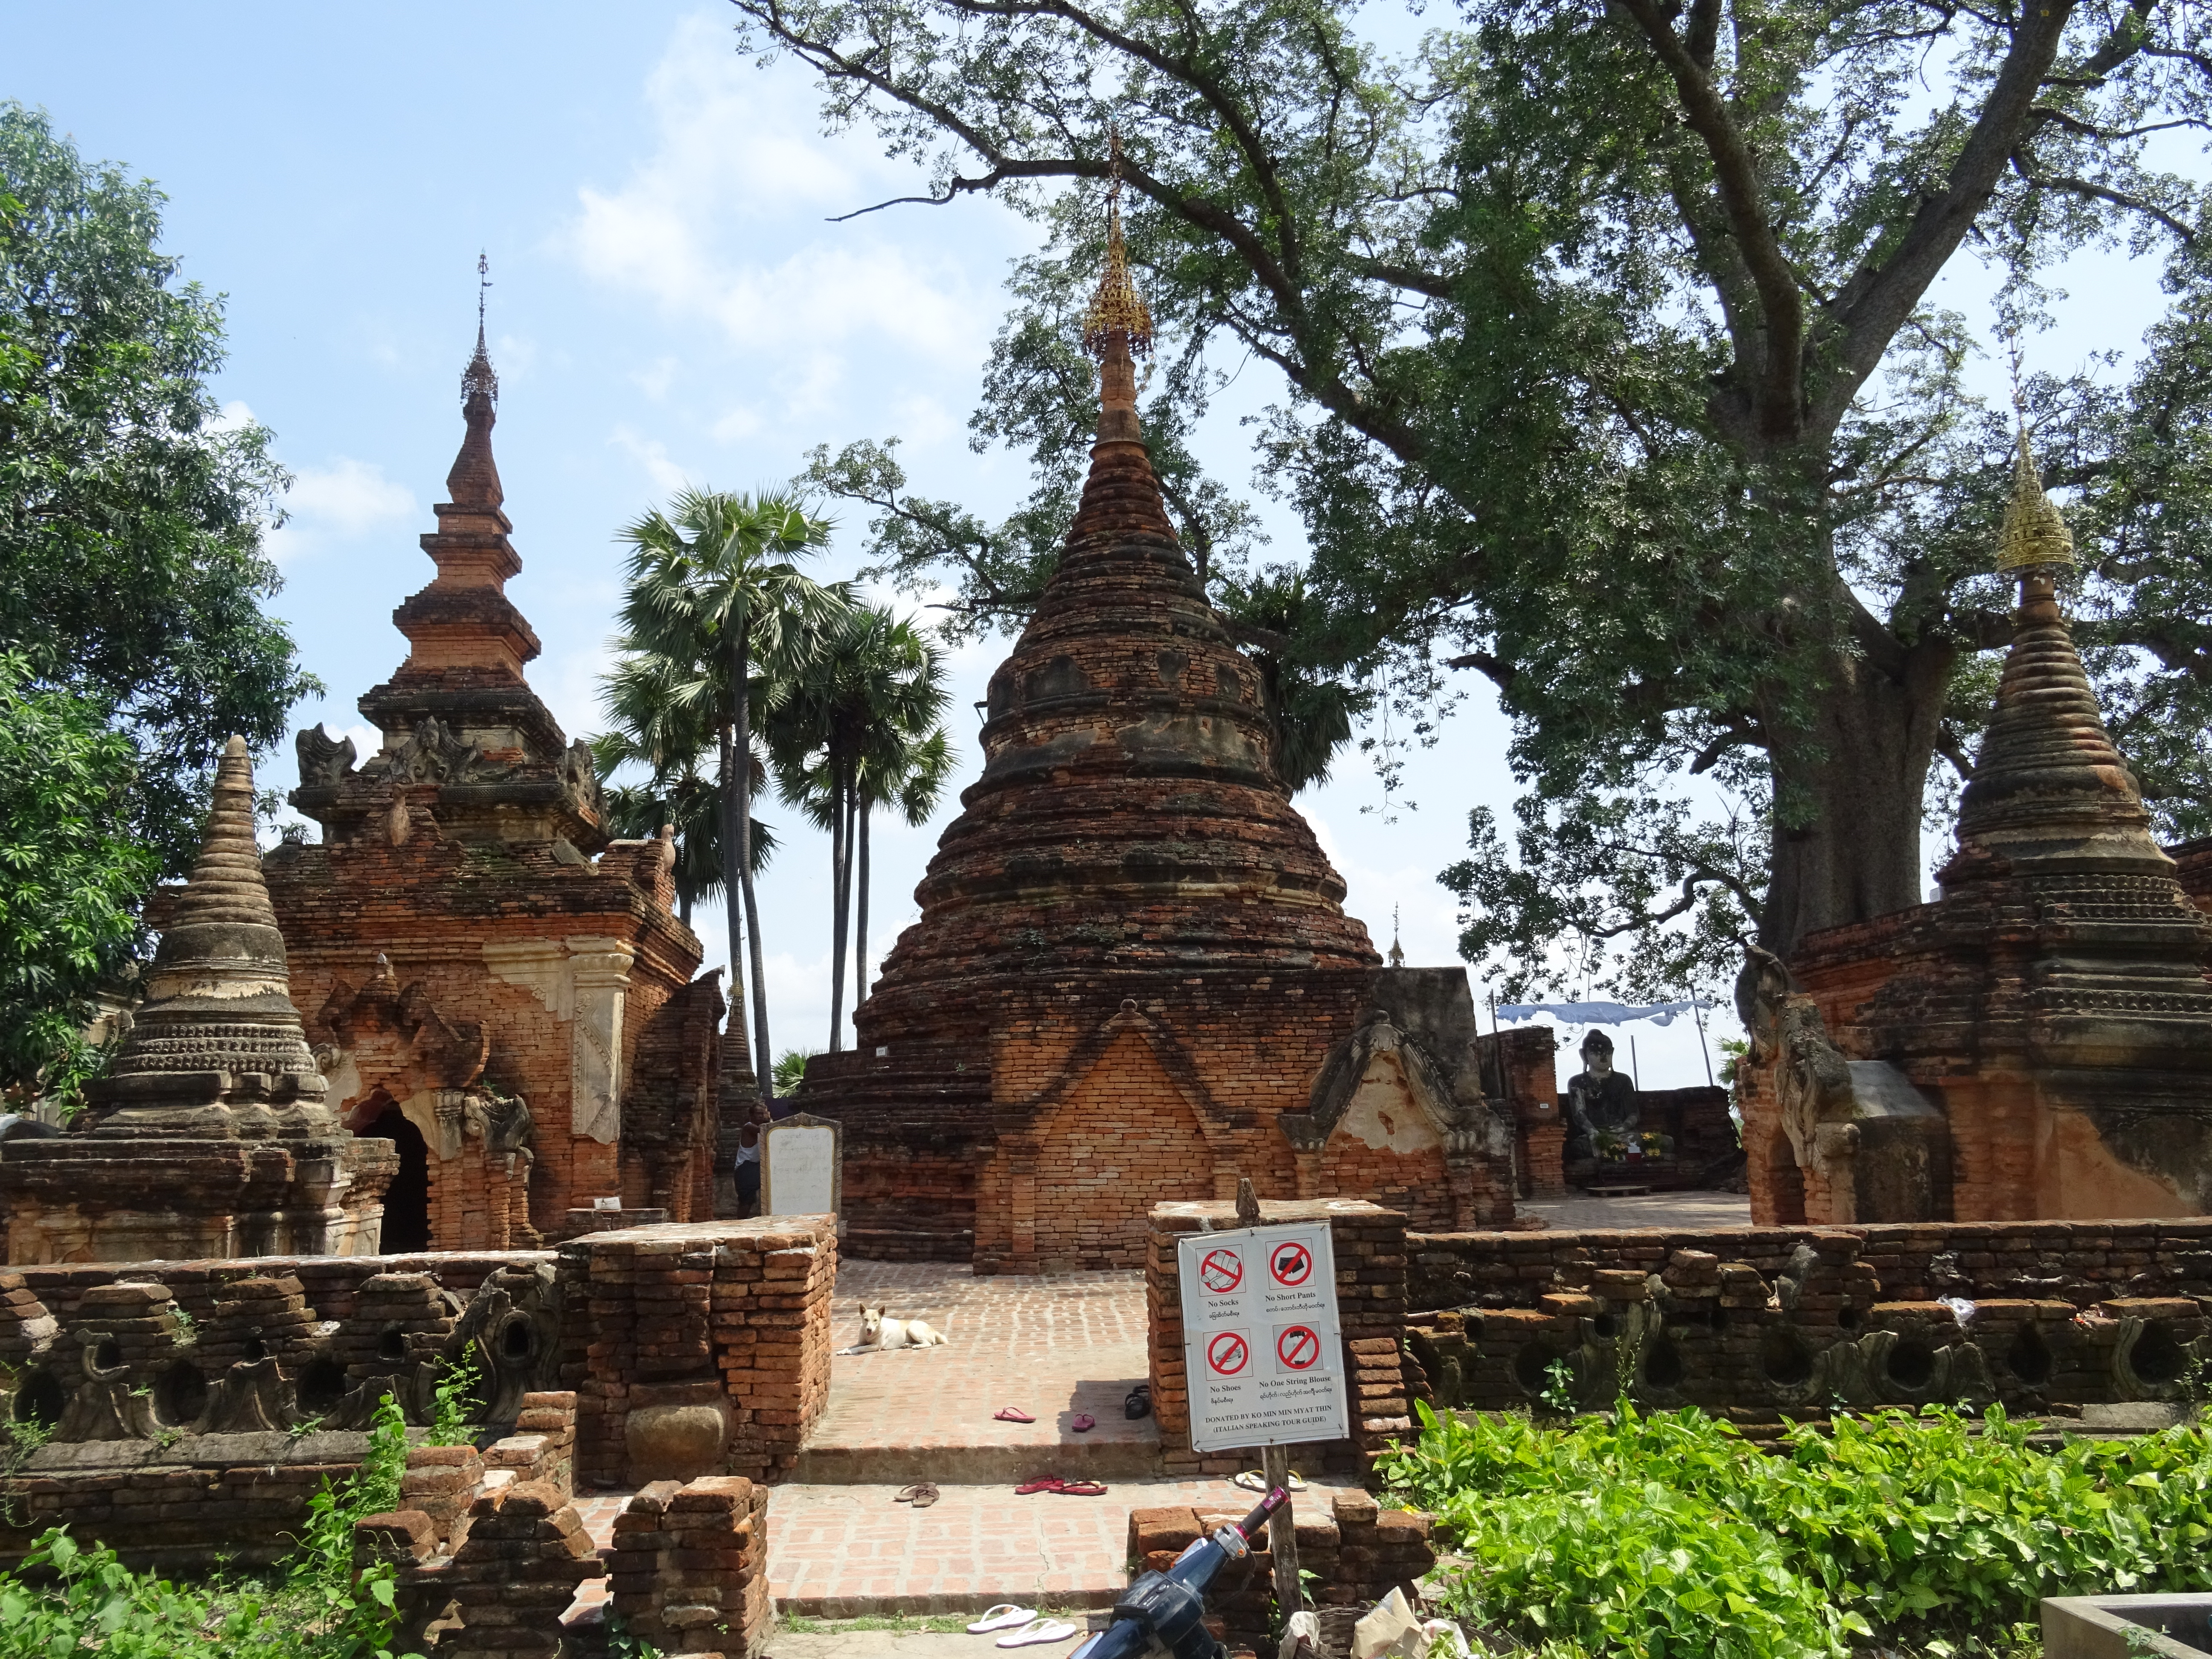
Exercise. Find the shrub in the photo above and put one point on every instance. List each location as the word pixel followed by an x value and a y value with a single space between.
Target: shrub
pixel 1664 1536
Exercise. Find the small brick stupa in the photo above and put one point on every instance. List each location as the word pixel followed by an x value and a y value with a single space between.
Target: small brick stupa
pixel 1133 979
pixel 211 1135
pixel 2037 1042
pixel 493 986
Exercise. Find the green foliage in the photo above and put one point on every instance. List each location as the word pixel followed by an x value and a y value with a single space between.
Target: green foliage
pixel 131 514
pixel 455 1394
pixel 790 1069
pixel 1669 1536
pixel 69 1600
pixel 71 876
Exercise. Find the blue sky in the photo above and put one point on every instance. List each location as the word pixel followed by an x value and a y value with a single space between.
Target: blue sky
pixel 670 305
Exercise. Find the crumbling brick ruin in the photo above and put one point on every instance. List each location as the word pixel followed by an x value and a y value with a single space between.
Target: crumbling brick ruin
pixel 494 988
pixel 1133 979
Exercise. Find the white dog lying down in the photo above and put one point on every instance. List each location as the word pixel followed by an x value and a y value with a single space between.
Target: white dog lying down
pixel 877 1332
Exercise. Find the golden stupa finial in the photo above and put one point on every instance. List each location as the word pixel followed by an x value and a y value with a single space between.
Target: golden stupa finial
pixel 1117 308
pixel 2035 535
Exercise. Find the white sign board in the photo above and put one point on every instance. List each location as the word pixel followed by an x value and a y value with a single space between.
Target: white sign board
pixel 1261 1347
pixel 799 1167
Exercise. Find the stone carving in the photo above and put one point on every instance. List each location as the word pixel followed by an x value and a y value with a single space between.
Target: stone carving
pixel 1462 1129
pixel 387 1037
pixel 579 772
pixel 434 752
pixel 323 759
pixel 1601 1102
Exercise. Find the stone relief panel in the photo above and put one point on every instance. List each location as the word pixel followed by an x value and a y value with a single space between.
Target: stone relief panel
pixel 584 980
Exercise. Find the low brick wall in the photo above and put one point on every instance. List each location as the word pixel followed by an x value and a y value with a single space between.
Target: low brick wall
pixel 1370 1246
pixel 1357 1551
pixel 702 1349
pixel 1767 1325
pixel 690 1567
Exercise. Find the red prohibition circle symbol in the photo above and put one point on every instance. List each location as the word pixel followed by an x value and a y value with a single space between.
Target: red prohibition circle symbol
pixel 1298 1348
pixel 1292 1264
pixel 1222 1271
pixel 1227 1353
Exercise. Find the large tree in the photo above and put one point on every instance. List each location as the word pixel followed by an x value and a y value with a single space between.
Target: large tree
pixel 131 568
pixel 1612 368
pixel 70 878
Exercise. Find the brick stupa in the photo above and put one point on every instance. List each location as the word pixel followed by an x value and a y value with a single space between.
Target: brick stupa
pixel 2037 1042
pixel 494 987
pixel 1133 967
pixel 211 1135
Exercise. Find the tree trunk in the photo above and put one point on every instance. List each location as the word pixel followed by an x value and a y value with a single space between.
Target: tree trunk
pixel 740 668
pixel 735 1032
pixel 840 876
pixel 1849 794
pixel 860 908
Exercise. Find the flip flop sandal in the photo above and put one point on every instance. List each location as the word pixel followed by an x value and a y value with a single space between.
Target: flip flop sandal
pixel 1139 1402
pixel 1252 1480
pixel 924 1495
pixel 1012 1414
pixel 1041 1630
pixel 1004 1616
pixel 1081 1489
pixel 1085 1422
pixel 907 1494
pixel 1043 1483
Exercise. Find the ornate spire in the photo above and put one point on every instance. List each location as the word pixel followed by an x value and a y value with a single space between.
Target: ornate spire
pixel 2035 535
pixel 1121 496
pixel 217 1047
pixel 473 483
pixel 1118 311
pixel 1397 953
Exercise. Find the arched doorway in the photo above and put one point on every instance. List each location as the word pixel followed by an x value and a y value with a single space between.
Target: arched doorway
pixel 407 1200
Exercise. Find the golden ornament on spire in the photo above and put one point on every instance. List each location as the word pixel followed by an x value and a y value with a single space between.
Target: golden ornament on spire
pixel 1117 308
pixel 2035 535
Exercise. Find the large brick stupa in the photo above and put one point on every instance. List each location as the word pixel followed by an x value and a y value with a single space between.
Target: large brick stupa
pixel 1133 979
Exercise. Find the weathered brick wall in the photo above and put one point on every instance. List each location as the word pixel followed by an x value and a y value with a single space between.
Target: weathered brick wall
pixel 1369 1245
pixel 432 906
pixel 1357 1552
pixel 700 1348
pixel 1768 1324
pixel 690 1568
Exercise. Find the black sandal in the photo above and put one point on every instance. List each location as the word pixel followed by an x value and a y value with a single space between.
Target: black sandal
pixel 1139 1402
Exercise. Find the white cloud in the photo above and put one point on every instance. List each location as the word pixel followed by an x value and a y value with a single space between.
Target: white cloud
pixel 739 166
pixel 336 503
pixel 233 416
pixel 652 454
pixel 655 378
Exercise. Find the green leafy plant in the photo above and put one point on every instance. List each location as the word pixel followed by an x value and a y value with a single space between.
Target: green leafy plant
pixel 1667 1535
pixel 456 1386
pixel 1559 1393
pixel 18 1439
pixel 624 1643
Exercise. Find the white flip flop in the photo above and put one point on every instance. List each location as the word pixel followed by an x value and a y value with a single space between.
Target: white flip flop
pixel 1004 1616
pixel 1040 1632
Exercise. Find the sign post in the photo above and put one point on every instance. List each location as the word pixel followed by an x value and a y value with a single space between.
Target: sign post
pixel 1264 1356
pixel 802 1166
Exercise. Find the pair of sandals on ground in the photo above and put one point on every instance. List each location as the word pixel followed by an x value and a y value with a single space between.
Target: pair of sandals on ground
pixel 1138 1404
pixel 1024 1626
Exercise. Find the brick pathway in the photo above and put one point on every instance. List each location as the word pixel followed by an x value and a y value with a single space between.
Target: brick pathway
pixel 1053 1344
pixel 840 1547
pixel 1686 1211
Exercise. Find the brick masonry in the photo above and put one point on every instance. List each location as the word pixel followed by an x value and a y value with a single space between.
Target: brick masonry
pixel 703 1349
pixel 1767 1325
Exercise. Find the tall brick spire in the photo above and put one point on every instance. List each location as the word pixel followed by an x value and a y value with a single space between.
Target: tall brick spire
pixel 464 735
pixel 1129 816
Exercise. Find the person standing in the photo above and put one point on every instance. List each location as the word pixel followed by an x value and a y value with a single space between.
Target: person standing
pixel 748 1169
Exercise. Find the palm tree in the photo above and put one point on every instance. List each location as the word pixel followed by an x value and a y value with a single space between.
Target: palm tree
pixel 692 807
pixel 714 610
pixel 857 726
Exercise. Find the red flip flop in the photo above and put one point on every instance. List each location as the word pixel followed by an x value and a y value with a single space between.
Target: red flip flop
pixel 1081 1489
pixel 1043 1483
pixel 1012 1414
pixel 1085 1422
